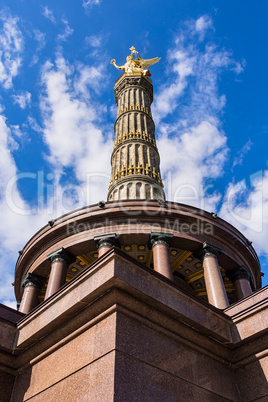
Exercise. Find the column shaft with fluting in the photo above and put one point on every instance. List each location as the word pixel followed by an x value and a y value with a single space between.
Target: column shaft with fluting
pixel 135 159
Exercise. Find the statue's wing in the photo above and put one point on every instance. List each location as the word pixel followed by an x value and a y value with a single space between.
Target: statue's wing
pixel 145 63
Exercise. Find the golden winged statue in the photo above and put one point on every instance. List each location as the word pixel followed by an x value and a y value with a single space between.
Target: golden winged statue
pixel 135 64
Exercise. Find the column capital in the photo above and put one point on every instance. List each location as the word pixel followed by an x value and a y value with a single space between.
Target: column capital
pixel 160 238
pixel 108 240
pixel 33 280
pixel 207 249
pixel 61 255
pixel 127 81
pixel 239 273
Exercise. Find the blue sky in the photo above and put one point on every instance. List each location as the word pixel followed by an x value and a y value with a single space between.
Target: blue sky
pixel 57 109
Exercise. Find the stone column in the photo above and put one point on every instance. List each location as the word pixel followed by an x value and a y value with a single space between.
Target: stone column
pixel 160 243
pixel 135 128
pixel 32 285
pixel 106 242
pixel 216 293
pixel 240 278
pixel 60 261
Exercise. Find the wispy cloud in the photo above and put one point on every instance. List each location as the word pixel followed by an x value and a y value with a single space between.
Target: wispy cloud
pixel 12 203
pixel 18 220
pixel 90 3
pixel 89 77
pixel 6 286
pixel 191 162
pixel 95 41
pixel 16 132
pixel 187 109
pixel 76 144
pixel 180 66
pixel 40 37
pixel 202 25
pixel 33 124
pixel 49 15
pixel 245 205
pixel 11 48
pixel 66 32
pixel 79 145
pixel 238 160
pixel 23 99
pixel 67 109
pixel 97 49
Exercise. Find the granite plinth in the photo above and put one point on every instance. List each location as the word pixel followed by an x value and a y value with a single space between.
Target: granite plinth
pixel 120 331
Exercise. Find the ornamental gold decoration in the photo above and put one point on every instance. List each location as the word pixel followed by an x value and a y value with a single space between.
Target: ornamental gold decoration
pixel 135 64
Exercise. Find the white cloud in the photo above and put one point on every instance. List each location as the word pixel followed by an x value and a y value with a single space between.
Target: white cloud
pixel 6 288
pixel 246 207
pixel 10 303
pixel 97 49
pixel 187 161
pixel 34 125
pixel 6 161
pixel 66 32
pixel 49 15
pixel 95 41
pixel 18 221
pixel 90 3
pixel 72 127
pixel 14 211
pixel 34 60
pixel 11 47
pixel 187 110
pixel 23 99
pixel 16 131
pixel 238 160
pixel 166 100
pixel 239 67
pixel 113 112
pixel 201 26
pixel 89 77
pixel 40 37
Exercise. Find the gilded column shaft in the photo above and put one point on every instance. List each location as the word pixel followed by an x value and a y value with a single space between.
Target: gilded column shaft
pixel 135 158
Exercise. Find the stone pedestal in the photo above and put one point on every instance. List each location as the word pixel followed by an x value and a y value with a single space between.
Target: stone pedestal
pixel 121 332
pixel 32 285
pixel 212 275
pixel 160 245
pixel 106 242
pixel 60 261
pixel 240 278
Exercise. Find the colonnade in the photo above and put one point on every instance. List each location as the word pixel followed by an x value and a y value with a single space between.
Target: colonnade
pixel 32 284
pixel 159 243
